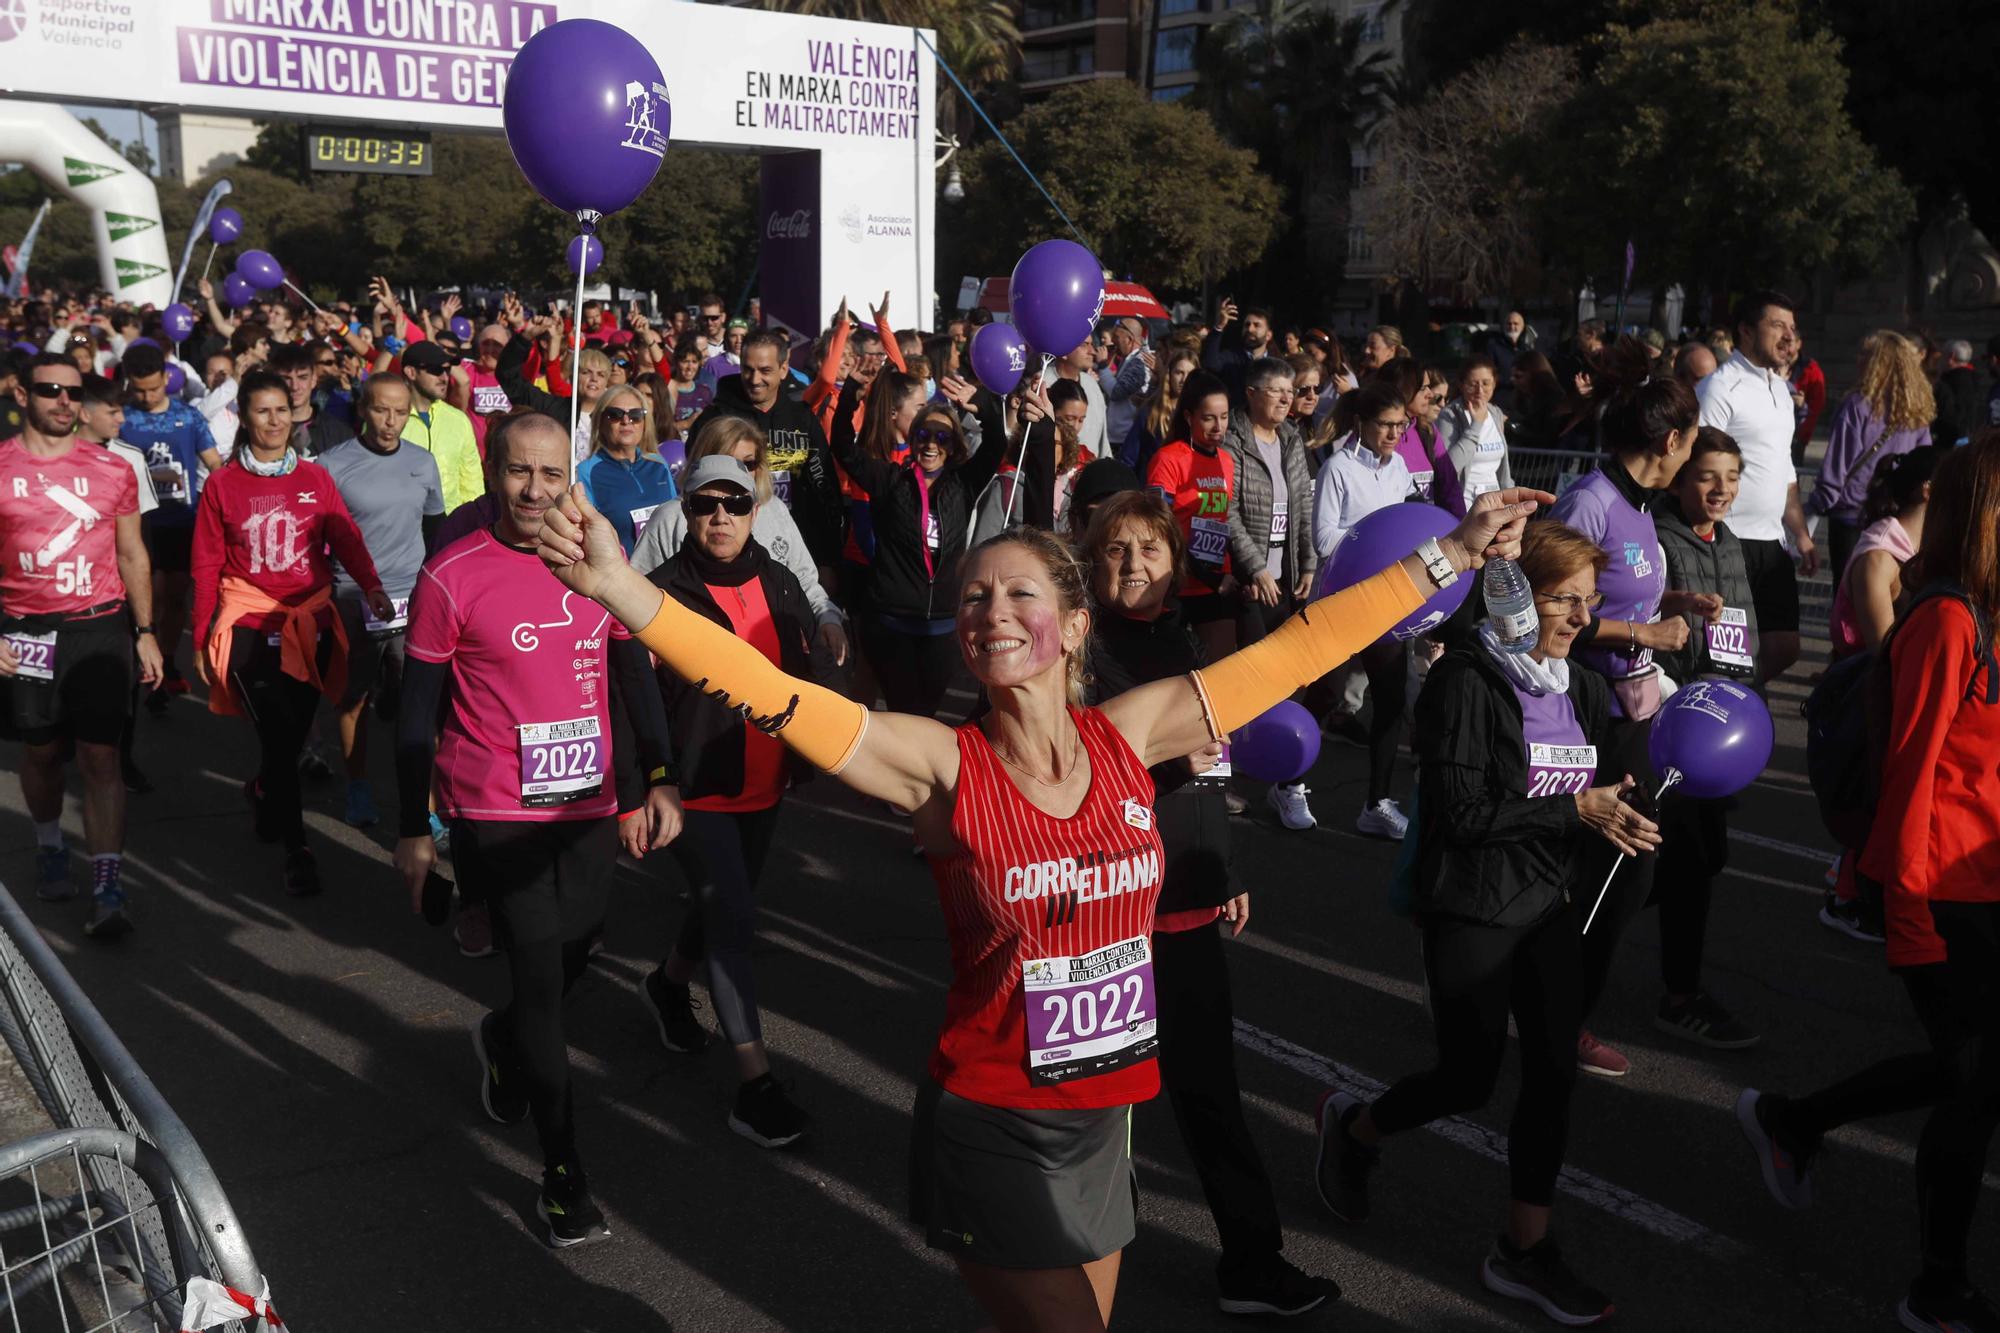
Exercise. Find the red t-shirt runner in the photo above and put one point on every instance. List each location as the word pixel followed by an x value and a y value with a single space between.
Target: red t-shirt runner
pixel 528 735
pixel 1052 1003
pixel 273 532
pixel 763 756
pixel 1198 487
pixel 59 528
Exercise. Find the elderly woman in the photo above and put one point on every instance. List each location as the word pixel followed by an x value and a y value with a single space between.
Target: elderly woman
pixel 1507 749
pixel 627 479
pixel 1022 1162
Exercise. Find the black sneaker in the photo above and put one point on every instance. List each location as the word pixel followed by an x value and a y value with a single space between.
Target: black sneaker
pixel 1784 1159
pixel 301 872
pixel 1855 918
pixel 1344 1163
pixel 500 1090
pixel 1965 1310
pixel 766 1116
pixel 673 1009
pixel 313 765
pixel 1701 1020
pixel 136 782
pixel 571 1217
pixel 1269 1284
pixel 1540 1276
pixel 107 917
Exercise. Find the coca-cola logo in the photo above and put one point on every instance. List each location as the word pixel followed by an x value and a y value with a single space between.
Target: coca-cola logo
pixel 796 225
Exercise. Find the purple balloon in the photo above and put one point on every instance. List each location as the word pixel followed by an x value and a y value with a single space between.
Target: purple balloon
pixel 587 114
pixel 1379 541
pixel 224 226
pixel 260 270
pixel 25 346
pixel 674 454
pixel 176 378
pixel 587 251
pixel 999 356
pixel 142 342
pixel 461 328
pixel 236 290
pixel 1056 295
pixel 1280 745
pixel 1715 734
pixel 178 321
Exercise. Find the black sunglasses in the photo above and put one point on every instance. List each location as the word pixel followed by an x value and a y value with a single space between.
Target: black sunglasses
pixel 617 414
pixel 45 389
pixel 703 505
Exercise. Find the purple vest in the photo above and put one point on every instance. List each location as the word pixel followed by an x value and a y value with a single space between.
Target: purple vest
pixel 1636 578
pixel 1561 759
pixel 1432 477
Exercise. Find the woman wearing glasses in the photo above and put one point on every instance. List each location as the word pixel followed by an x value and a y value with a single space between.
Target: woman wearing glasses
pixel 624 476
pixel 1474 430
pixel 1507 747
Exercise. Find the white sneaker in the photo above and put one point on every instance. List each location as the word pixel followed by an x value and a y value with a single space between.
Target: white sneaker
pixel 1382 820
pixel 1289 800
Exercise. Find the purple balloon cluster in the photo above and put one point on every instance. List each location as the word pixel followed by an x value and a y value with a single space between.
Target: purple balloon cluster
pixel 1056 295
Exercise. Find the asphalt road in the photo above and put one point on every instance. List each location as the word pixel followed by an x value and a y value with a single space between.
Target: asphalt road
pixel 319 1051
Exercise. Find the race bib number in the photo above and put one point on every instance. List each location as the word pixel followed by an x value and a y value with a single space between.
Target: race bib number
pixel 1090 1014
pixel 640 518
pixel 931 530
pixel 1280 521
pixel 399 618
pixel 1208 541
pixel 35 654
pixel 1729 640
pixel 1420 484
pixel 170 482
pixel 1560 770
pixel 488 398
pixel 561 761
pixel 781 486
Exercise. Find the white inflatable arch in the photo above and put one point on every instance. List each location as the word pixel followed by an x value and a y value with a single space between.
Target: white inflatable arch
pixel 132 261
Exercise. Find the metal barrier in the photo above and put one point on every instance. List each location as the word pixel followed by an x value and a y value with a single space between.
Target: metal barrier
pixel 118 1201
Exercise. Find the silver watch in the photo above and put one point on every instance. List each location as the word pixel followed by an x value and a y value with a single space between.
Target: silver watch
pixel 1435 564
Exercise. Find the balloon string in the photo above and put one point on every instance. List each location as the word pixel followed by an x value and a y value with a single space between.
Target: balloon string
pixel 303 297
pixel 1021 458
pixel 1673 776
pixel 576 349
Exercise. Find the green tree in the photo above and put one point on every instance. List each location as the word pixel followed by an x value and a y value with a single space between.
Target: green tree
pixel 1153 187
pixel 1721 147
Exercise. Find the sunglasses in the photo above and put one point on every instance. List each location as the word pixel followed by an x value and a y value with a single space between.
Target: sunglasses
pixel 44 389
pixel 327 364
pixel 618 414
pixel 711 319
pixel 923 435
pixel 1307 390
pixel 703 505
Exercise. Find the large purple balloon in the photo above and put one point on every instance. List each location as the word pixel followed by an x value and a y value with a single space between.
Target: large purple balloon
pixel 236 290
pixel 586 251
pixel 999 357
pixel 461 328
pixel 1379 541
pixel 261 269
pixel 1715 734
pixel 587 113
pixel 224 226
pixel 674 454
pixel 178 321
pixel 1279 745
pixel 176 378
pixel 1056 295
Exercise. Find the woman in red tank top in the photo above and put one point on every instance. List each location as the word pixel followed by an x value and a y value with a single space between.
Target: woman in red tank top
pixel 1038 824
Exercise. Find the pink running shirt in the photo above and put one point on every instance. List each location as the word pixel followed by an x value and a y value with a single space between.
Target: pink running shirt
pixel 59 528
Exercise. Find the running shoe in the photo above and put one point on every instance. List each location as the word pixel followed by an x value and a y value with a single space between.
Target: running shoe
pixel 361 811
pixel 1785 1160
pixel 1594 1057
pixel 136 782
pixel 1965 1310
pixel 107 917
pixel 1289 800
pixel 301 872
pixel 474 930
pixel 500 1093
pixel 1344 1163
pixel 1384 819
pixel 673 1009
pixel 1269 1284
pixel 175 684
pixel 1539 1276
pixel 567 1210
pixel 765 1115
pixel 1701 1020
pixel 1853 918
pixel 52 881
pixel 1234 802
pixel 313 765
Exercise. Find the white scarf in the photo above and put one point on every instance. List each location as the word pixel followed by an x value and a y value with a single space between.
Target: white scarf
pixel 276 468
pixel 1550 677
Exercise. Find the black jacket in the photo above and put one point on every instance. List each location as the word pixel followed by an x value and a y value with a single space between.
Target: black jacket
pixel 1694 565
pixel 511 369
pixel 1191 813
pixel 797 446
pixel 1961 406
pixel 1485 852
pixel 708 737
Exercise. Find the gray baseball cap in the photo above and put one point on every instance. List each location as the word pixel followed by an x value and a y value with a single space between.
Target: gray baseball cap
pixel 716 468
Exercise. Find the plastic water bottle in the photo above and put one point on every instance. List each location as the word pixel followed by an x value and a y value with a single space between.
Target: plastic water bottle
pixel 1510 605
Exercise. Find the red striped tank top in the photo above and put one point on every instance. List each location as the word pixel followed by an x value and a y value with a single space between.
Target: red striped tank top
pixel 1030 889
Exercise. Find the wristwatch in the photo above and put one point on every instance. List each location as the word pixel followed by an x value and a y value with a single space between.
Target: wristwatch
pixel 1435 564
pixel 137 630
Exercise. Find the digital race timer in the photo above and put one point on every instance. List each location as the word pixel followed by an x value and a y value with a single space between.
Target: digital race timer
pixel 341 148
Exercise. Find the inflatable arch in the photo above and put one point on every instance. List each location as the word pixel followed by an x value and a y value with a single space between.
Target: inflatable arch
pixel 132 262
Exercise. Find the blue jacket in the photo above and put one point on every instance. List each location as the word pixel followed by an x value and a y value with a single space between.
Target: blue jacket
pixel 626 493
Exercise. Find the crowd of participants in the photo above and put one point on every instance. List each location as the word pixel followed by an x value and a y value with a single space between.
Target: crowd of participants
pixel 775 560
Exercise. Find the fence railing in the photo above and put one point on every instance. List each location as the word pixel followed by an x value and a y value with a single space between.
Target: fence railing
pixel 103 1220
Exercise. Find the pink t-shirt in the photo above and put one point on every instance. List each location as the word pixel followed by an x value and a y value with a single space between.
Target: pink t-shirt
pixel 528 736
pixel 59 528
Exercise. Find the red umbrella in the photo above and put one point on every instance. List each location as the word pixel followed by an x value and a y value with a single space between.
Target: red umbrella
pixel 1120 299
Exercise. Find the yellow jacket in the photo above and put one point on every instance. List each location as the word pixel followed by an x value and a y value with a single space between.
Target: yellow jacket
pixel 447 433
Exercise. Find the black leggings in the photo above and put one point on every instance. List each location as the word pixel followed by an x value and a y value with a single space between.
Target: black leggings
pixel 549 883
pixel 1694 849
pixel 1632 887
pixel 722 856
pixel 281 708
pixel 1387 666
pixel 1477 975
pixel 914 670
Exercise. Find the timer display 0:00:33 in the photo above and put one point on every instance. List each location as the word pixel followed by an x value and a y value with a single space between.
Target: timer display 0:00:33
pixel 359 152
